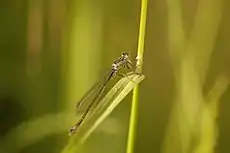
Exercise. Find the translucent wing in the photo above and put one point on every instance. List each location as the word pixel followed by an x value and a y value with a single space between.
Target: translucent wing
pixel 92 94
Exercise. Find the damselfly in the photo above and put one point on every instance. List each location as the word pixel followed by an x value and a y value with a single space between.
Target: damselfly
pixel 94 95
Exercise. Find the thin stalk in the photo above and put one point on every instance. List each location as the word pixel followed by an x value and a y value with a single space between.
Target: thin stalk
pixel 140 52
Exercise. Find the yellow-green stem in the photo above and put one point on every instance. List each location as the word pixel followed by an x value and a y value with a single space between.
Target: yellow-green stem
pixel 140 52
pixel 133 121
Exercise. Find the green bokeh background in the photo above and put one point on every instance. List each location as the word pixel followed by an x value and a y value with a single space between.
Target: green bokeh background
pixel 53 51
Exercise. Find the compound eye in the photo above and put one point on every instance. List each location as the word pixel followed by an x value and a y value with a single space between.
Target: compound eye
pixel 125 54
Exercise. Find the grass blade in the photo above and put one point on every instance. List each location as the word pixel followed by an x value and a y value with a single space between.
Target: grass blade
pixel 106 106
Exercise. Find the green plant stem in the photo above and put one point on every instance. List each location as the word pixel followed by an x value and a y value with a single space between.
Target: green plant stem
pixel 141 39
pixel 140 52
pixel 133 121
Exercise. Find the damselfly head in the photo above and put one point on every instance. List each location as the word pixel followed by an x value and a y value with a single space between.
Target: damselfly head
pixel 125 55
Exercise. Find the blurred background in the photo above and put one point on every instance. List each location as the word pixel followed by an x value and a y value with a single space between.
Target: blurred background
pixel 53 51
